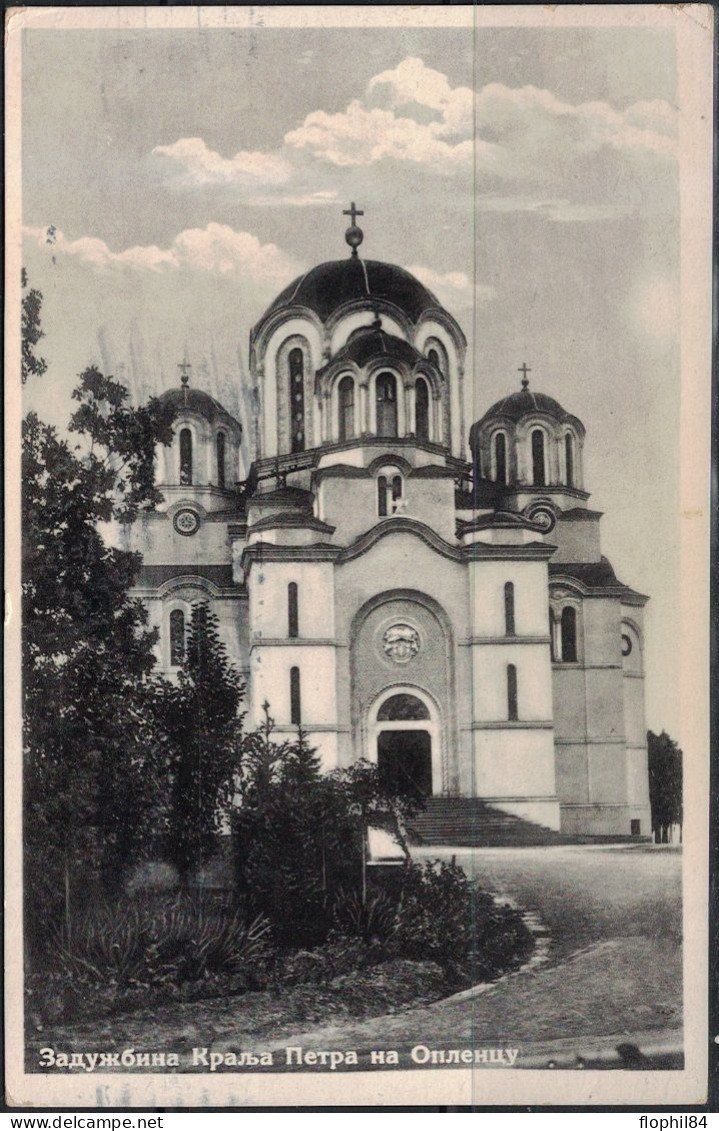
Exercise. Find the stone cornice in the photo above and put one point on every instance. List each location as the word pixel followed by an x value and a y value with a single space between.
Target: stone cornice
pixel 470 641
pixel 291 520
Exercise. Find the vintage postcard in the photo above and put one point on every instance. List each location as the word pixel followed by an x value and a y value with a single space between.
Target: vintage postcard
pixel 357 434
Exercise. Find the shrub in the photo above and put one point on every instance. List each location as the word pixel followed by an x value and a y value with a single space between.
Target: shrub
pixel 376 918
pixel 434 917
pixel 176 940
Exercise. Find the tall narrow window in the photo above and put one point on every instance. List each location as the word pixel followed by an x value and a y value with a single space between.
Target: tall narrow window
pixel 185 457
pixel 396 492
pixel 386 396
pixel 569 634
pixel 177 637
pixel 433 356
pixel 569 453
pixel 382 496
pixel 221 460
pixel 500 457
pixel 421 392
pixel 539 478
pixel 292 610
pixel 297 399
pixel 512 713
pixel 295 697
pixel 509 609
pixel 346 394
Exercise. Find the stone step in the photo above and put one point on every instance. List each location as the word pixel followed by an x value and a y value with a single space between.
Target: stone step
pixel 471 822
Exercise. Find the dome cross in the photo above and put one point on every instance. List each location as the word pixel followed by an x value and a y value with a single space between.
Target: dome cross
pixel 354 235
pixel 524 370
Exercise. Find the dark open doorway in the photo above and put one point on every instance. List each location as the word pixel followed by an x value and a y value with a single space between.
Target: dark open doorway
pixel 404 761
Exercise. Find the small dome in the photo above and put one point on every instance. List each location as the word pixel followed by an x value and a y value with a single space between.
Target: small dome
pixel 516 406
pixel 369 342
pixel 330 285
pixel 196 401
pixel 520 404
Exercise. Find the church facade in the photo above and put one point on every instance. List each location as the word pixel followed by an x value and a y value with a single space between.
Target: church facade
pixel 444 612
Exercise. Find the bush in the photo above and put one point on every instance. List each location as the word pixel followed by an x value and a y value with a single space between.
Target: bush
pixel 183 939
pixel 376 919
pixel 434 917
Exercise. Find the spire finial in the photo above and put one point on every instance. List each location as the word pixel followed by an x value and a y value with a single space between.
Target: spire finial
pixel 354 235
pixel 524 370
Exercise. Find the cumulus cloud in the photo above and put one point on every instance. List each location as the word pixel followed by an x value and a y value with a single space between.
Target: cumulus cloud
pixel 216 249
pixel 453 289
pixel 522 133
pixel 199 165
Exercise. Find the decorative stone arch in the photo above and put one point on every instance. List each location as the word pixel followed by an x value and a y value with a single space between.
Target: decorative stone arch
pixel 489 454
pixel 358 314
pixel 563 597
pixel 439 628
pixel 330 392
pixel 367 306
pixel 262 335
pixel 633 657
pixel 201 433
pixel 548 427
pixel 295 341
pixel 400 374
pixel 577 440
pixel 436 326
pixel 180 594
pixel 432 726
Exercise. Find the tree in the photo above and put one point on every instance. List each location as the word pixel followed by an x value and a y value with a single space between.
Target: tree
pixel 294 839
pixel 201 723
pixel 665 785
pixel 31 364
pixel 374 804
pixel 87 650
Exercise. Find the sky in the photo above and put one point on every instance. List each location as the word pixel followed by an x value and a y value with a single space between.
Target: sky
pixel 175 180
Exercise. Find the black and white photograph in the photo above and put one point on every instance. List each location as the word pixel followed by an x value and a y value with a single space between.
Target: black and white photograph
pixel 357 412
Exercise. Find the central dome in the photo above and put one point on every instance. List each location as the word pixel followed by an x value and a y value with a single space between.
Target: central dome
pixel 329 286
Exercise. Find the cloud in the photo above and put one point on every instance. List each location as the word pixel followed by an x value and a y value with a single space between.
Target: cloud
pixel 529 149
pixel 216 249
pixel 521 134
pixel 453 289
pixel 199 165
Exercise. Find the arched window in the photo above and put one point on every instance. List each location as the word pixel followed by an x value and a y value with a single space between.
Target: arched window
pixel 402 708
pixel 390 494
pixel 500 457
pixel 569 634
pixel 185 456
pixel 295 697
pixel 177 637
pixel 221 458
pixel 569 454
pixel 292 610
pixel 433 356
pixel 297 399
pixel 539 477
pixel 386 397
pixel 509 609
pixel 512 712
pixel 346 395
pixel 382 496
pixel 422 408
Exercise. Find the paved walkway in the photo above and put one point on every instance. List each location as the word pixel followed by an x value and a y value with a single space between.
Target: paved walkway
pixel 613 965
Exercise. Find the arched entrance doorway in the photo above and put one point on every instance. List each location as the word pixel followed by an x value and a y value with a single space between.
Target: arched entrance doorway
pixel 404 738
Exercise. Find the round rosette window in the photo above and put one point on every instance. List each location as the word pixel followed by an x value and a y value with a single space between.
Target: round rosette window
pixel 186 522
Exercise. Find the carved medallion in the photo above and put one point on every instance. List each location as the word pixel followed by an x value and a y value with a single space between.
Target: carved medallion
pixel 401 643
pixel 186 522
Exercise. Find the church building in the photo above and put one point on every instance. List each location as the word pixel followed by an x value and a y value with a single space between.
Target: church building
pixel 409 590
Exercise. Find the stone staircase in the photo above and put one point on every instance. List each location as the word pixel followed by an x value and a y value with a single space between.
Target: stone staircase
pixel 469 821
